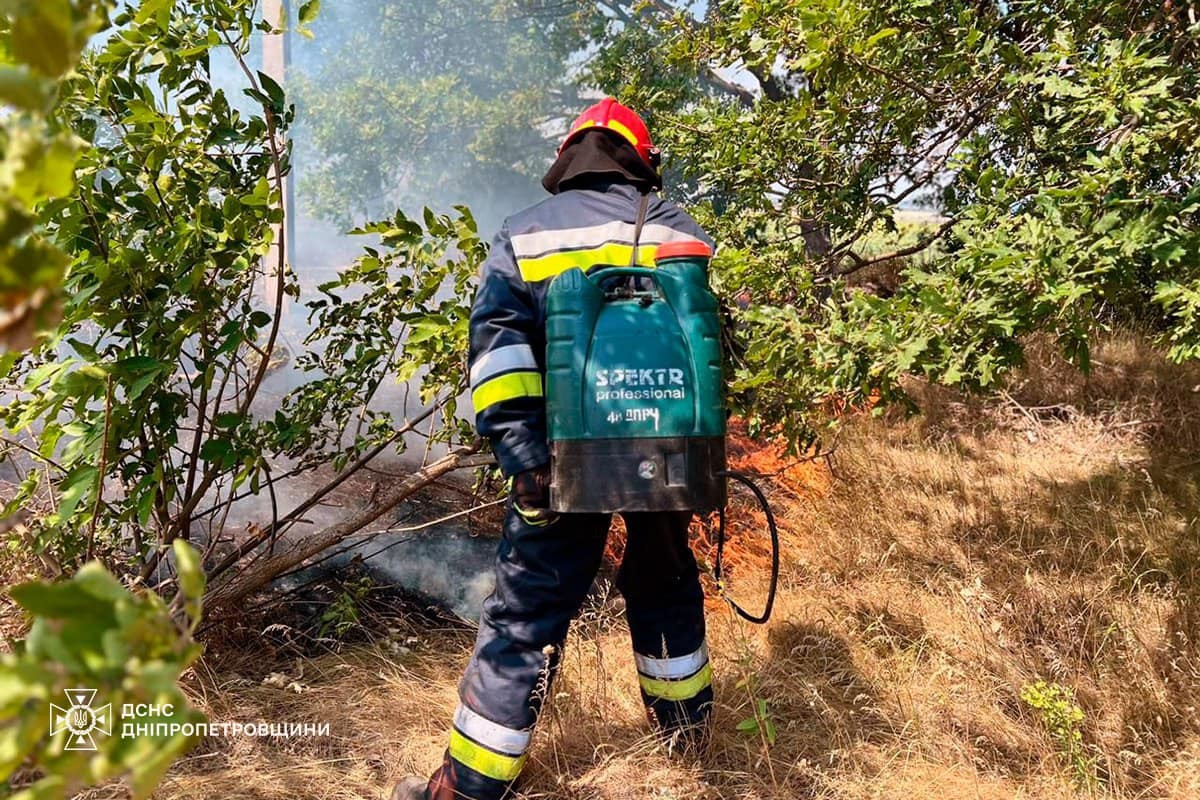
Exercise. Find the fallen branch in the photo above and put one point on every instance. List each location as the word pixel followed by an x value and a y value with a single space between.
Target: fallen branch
pixel 296 515
pixel 258 574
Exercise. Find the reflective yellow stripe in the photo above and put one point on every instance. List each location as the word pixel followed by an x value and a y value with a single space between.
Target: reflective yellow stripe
pixel 678 690
pixel 492 735
pixel 482 760
pixel 613 125
pixel 506 387
pixel 587 123
pixel 547 266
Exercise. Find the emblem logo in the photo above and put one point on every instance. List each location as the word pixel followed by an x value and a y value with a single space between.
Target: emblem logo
pixel 80 720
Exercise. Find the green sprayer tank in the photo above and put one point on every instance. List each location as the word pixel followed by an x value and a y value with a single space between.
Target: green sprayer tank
pixel 634 390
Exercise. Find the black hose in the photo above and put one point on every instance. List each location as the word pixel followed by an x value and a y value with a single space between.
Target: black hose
pixel 766 507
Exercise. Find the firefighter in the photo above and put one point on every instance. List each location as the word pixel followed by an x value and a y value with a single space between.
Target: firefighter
pixel 603 211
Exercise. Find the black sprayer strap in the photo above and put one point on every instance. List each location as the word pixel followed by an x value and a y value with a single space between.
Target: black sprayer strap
pixel 643 207
pixel 762 501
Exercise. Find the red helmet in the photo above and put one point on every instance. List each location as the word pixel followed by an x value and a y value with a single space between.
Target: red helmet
pixel 621 120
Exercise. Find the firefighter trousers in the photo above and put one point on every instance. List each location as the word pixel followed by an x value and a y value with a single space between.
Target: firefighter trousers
pixel 543 575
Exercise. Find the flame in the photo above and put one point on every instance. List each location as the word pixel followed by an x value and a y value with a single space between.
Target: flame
pixel 787 480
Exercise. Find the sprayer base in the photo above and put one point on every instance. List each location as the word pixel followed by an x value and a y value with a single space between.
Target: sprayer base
pixel 614 475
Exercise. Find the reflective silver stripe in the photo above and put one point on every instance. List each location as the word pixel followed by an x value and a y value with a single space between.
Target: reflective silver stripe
pixel 490 734
pixel 540 243
pixel 672 668
pixel 502 359
pixel 661 234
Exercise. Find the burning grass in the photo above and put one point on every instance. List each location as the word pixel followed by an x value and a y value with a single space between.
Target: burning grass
pixel 943 567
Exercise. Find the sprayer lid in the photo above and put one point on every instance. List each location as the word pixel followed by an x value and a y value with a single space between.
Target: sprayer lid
pixel 689 248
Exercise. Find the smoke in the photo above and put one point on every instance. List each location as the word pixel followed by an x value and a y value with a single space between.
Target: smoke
pixel 449 565
pixel 425 103
pixel 429 103
pixel 446 564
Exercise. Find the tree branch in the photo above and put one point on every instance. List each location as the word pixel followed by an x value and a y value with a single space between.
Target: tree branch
pixel 861 263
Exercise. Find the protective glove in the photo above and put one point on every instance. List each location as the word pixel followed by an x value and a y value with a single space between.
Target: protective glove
pixel 531 496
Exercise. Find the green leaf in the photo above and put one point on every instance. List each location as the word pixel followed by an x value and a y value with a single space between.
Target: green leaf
pixel 58 169
pixel 309 11
pixel 425 329
pixel 43 168
pixel 22 90
pixel 7 360
pixel 219 451
pixel 41 37
pixel 65 600
pixel 79 483
pixel 189 569
pixel 137 364
pixel 139 385
pixel 21 682
pixel 145 504
pixel 273 91
pixel 154 8
pixel 228 420
pixel 910 352
pixel 148 771
pixel 94 579
pixel 260 196
pixel 885 33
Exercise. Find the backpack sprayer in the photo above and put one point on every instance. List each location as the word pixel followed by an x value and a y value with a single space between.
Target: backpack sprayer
pixel 634 394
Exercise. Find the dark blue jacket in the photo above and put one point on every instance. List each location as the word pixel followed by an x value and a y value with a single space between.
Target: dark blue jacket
pixel 579 227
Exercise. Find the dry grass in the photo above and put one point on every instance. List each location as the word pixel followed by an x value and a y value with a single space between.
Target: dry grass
pixel 947 562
